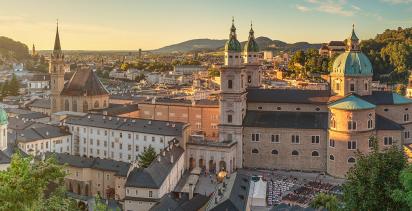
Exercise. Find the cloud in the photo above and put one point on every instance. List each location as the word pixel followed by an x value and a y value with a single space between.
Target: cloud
pixel 398 1
pixel 302 8
pixel 335 7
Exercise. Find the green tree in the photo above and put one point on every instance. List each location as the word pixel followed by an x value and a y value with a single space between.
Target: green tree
pixel 24 183
pixel 213 72
pixel 14 86
pixel 146 157
pixel 373 179
pixel 404 194
pixel 400 89
pixel 99 204
pixel 322 200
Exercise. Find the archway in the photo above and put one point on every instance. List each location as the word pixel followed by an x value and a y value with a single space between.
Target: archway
pixel 192 163
pixel 70 187
pixel 202 163
pixel 66 105
pixel 85 106
pixel 79 191
pixel 222 166
pixel 74 105
pixel 96 104
pixel 212 166
pixel 86 190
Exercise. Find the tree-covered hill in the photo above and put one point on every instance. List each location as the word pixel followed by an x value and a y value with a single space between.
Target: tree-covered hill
pixel 390 54
pixel 13 49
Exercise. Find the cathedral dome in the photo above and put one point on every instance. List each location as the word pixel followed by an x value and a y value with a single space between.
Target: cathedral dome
pixel 352 63
pixel 3 117
pixel 233 44
pixel 251 44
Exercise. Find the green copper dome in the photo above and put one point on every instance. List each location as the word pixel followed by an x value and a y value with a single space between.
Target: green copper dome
pixel 233 44
pixel 3 117
pixel 352 63
pixel 251 45
pixel 351 103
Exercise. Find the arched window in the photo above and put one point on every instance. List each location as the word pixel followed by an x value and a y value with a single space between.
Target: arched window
pixel 370 124
pixel 96 104
pixel 255 151
pixel 275 152
pixel 333 123
pixel 351 160
pixel 315 154
pixel 351 125
pixel 74 105
pixel 331 157
pixel 295 153
pixel 85 106
pixel 66 105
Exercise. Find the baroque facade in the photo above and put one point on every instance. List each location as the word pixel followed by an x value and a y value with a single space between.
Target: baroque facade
pixel 309 130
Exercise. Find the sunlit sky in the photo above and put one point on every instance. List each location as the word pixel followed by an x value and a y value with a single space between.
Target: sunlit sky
pixel 150 24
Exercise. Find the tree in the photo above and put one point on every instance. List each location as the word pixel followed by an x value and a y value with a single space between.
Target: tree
pixel 24 183
pixel 404 194
pixel 14 86
pixel 146 157
pixel 327 201
pixel 213 72
pixel 99 204
pixel 373 179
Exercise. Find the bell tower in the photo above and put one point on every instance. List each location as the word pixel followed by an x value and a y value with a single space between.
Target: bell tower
pixel 56 70
pixel 251 60
pixel 232 95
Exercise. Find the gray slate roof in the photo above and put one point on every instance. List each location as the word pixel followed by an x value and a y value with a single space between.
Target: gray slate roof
pixel 288 96
pixel 121 168
pixel 154 175
pixel 129 124
pixel 41 103
pixel 283 119
pixel 383 123
pixel 172 203
pixel 234 197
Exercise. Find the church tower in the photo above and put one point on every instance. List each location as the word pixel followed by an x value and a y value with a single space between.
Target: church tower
pixel 232 95
pixel 56 70
pixel 352 71
pixel 3 129
pixel 251 60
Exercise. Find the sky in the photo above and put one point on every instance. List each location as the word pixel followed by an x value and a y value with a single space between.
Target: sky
pixel 151 24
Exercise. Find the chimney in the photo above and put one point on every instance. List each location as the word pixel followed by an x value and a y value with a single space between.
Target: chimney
pixel 171 158
pixel 104 113
pixel 190 191
pixel 158 158
pixel 88 116
pixel 47 133
pixel 163 153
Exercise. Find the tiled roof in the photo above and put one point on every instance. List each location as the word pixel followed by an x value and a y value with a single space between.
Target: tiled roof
pixel 288 96
pixel 121 168
pixel 383 123
pixel 386 98
pixel 284 119
pixel 41 103
pixel 182 203
pixel 84 82
pixel 129 124
pixel 154 175
pixel 351 102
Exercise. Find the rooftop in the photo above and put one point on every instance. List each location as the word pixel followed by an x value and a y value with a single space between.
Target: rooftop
pixel 84 82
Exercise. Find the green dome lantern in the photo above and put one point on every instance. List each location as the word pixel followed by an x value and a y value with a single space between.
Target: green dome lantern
pixel 3 117
pixel 233 45
pixel 352 62
pixel 251 45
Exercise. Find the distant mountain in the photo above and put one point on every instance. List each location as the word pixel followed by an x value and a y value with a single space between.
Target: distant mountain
pixel 13 49
pixel 264 43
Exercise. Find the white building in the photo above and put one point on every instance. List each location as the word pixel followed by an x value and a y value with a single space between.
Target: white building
pixel 121 139
pixel 188 69
pixel 145 187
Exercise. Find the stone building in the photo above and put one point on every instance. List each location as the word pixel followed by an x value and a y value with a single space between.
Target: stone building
pixel 309 130
pixel 83 92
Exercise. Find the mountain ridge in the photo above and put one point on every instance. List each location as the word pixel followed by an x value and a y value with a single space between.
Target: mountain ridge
pixel 205 44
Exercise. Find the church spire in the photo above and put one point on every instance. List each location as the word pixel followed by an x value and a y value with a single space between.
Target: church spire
pixel 57 46
pixel 251 32
pixel 233 30
pixel 353 41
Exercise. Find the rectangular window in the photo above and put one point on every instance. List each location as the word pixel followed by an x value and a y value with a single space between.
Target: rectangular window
pixel 229 84
pixel 229 118
pixel 406 134
pixel 351 145
pixel 255 137
pixel 352 87
pixel 295 139
pixel 150 194
pixel 137 148
pixel 387 141
pixel 315 139
pixel 406 117
pixel 351 125
pixel 120 145
pixel 129 147
pixel 331 143
pixel 275 138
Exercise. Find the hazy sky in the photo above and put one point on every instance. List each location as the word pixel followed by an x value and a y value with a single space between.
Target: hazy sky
pixel 150 24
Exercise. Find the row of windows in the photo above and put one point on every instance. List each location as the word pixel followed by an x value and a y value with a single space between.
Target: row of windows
pixel 294 152
pixel 351 86
pixel 351 125
pixel 150 193
pixel 104 154
pixel 350 159
pixel 276 138
pixel 280 108
pixel 129 135
pixel 353 144
pixel 120 144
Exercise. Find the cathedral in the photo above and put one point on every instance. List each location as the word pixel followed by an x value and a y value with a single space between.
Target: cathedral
pixel 306 130
pixel 82 93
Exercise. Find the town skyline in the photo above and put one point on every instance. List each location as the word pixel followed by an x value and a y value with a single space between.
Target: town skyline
pixel 130 25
